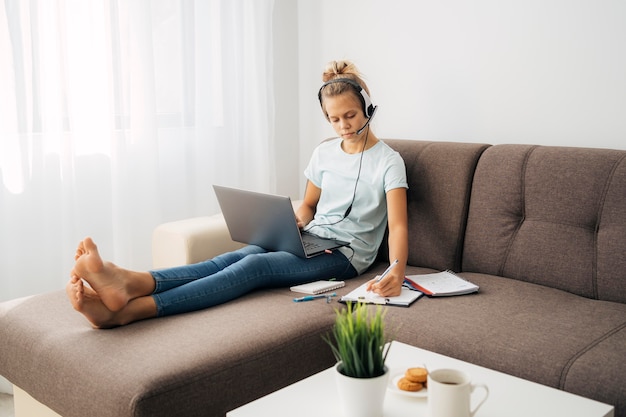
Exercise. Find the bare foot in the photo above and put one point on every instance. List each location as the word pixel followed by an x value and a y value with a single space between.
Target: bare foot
pixel 107 280
pixel 86 301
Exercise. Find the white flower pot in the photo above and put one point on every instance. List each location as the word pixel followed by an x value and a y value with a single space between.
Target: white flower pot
pixel 361 397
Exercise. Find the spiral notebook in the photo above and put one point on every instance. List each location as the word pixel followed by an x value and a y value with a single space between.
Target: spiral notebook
pixel 408 296
pixel 318 287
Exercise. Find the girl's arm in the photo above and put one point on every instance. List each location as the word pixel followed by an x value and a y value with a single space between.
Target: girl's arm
pixel 307 209
pixel 398 241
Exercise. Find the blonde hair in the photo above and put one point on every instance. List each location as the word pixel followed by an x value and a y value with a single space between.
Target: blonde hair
pixel 335 70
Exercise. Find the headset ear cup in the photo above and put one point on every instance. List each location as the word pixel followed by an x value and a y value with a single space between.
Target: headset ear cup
pixel 372 111
pixel 368 106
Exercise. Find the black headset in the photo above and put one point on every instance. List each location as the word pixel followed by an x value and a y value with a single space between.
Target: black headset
pixel 366 102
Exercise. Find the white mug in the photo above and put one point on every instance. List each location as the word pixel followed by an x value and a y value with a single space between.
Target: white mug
pixel 450 392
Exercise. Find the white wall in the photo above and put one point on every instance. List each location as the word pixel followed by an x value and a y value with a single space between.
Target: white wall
pixel 497 71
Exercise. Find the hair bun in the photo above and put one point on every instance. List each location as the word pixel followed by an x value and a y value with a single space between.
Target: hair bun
pixel 337 69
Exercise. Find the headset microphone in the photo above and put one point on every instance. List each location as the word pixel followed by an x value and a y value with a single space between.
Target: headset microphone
pixel 369 119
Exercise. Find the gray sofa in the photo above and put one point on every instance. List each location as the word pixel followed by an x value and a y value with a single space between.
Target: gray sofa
pixel 541 230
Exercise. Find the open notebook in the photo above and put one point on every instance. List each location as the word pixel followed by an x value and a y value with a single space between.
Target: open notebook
pixel 441 284
pixel 361 295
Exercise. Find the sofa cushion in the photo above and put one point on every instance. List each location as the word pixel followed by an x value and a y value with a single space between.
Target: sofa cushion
pixel 550 215
pixel 440 180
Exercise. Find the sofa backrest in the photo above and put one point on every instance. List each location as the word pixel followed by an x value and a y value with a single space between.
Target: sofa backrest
pixel 554 216
pixel 440 179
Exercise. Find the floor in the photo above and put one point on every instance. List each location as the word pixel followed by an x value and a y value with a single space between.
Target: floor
pixel 6 405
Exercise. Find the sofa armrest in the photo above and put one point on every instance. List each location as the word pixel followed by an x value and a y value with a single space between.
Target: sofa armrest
pixel 192 240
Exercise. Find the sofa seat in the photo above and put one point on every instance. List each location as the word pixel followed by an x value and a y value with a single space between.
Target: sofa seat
pixel 541 334
pixel 196 364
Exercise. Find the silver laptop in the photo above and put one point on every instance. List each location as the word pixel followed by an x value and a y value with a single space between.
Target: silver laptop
pixel 268 221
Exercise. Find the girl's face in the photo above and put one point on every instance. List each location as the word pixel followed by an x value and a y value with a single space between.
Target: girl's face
pixel 345 115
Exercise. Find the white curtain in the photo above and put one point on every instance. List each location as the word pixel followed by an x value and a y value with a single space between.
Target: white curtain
pixel 118 115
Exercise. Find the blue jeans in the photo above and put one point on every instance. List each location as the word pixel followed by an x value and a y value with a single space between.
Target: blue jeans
pixel 228 276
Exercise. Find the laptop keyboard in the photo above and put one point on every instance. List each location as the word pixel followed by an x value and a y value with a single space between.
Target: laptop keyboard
pixel 308 246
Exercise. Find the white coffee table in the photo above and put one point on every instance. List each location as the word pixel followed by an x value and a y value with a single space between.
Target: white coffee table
pixel 509 396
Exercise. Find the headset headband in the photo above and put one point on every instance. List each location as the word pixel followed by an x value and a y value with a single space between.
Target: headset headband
pixel 366 102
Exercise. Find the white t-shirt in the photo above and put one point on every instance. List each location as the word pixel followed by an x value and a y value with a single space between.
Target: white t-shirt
pixel 335 173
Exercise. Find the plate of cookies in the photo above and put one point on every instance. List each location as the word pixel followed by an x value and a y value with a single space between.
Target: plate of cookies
pixel 410 382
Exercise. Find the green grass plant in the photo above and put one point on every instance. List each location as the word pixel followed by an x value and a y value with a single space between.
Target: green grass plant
pixel 358 340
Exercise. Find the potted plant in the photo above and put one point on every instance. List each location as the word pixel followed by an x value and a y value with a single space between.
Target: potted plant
pixel 360 346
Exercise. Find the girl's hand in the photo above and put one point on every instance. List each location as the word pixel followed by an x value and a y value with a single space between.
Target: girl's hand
pixel 300 222
pixel 390 286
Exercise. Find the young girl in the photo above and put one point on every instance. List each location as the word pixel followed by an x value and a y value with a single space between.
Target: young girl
pixel 356 187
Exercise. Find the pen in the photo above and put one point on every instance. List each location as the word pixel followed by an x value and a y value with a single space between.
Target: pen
pixel 394 263
pixel 313 297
